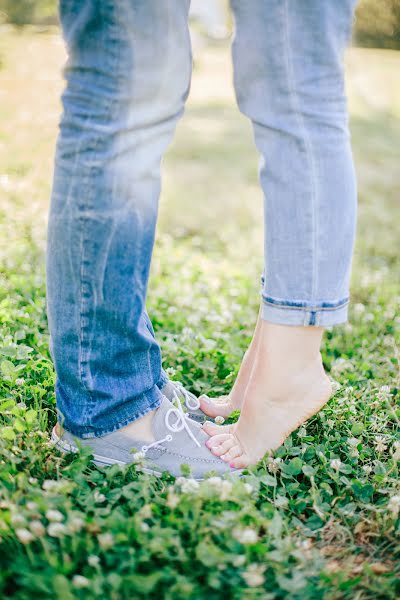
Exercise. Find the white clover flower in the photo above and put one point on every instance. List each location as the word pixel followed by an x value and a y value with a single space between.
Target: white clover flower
pixel 106 540
pixel 254 575
pixel 219 420
pixel 248 488
pixel 335 385
pixel 336 464
pixel 384 393
pixel 24 536
pixel 93 560
pixel 52 485
pixel 380 443
pixel 79 581
pixel 245 535
pixel 302 432
pixel 239 560
pixel 188 485
pixel 21 405
pixel 32 480
pixel 98 497
pixel 137 457
pixel 54 515
pixel 367 469
pixel 19 381
pixel 56 530
pixel 37 528
pixel 144 526
pixel 273 465
pixel 394 505
pixel 359 308
pixel 214 481
pixel 353 442
pixel 75 524
pixel 172 499
pixel 226 489
pixel 331 423
pixel 31 506
pixel 354 453
pixel 340 365
pixel 17 520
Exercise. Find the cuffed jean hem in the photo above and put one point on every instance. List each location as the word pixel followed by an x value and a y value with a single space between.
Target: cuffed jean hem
pixel 299 313
pixel 117 418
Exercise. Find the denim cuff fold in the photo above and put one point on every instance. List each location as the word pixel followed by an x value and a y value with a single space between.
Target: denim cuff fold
pixel 324 314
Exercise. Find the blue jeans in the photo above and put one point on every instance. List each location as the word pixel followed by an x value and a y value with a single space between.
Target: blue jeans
pixel 128 76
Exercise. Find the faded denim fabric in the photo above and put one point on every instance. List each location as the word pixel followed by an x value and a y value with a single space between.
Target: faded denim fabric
pixel 127 79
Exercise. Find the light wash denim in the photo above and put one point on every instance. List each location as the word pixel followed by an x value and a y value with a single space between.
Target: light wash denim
pixel 128 76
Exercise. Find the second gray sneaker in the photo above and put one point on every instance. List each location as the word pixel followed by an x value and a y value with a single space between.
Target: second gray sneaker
pixel 178 441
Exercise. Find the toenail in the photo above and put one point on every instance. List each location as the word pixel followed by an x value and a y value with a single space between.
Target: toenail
pixel 232 466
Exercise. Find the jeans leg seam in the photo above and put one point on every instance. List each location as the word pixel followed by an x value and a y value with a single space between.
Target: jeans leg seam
pixel 308 148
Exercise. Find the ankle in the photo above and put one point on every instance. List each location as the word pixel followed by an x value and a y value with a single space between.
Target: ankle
pixel 290 344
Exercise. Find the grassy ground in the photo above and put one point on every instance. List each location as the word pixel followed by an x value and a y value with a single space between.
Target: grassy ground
pixel 303 526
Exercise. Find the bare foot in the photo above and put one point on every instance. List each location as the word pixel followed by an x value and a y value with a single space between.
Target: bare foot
pixel 287 386
pixel 225 405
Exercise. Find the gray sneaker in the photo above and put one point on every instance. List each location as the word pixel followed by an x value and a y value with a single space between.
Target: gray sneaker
pixel 175 390
pixel 179 441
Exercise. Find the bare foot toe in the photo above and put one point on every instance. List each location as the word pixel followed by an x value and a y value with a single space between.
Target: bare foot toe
pixel 214 407
pixel 213 429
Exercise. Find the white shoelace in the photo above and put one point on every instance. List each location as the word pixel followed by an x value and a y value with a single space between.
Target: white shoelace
pixel 178 425
pixel 191 402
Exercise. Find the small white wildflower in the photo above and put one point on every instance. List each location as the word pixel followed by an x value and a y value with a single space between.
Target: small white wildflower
pixel 248 488
pixel 21 405
pixel 52 485
pixel 19 381
pixel 37 528
pixel 56 530
pixel 394 505
pixel 239 560
pixel 330 423
pixel 79 581
pixel 245 535
pixel 359 308
pixel 24 536
pixel 144 526
pixel 354 453
pixel 214 481
pixel 367 469
pixel 226 489
pixel 17 520
pixel 273 465
pixel 32 480
pixel 31 506
pixel 98 497
pixel 172 499
pixel 335 385
pixel 380 443
pixel 384 393
pixel 302 432
pixel 93 560
pixel 219 420
pixel 353 442
pixel 54 515
pixel 336 464
pixel 254 575
pixel 138 456
pixel 188 485
pixel 106 540
pixel 75 524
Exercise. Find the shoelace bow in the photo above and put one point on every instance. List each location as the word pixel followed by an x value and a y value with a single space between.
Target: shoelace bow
pixel 180 423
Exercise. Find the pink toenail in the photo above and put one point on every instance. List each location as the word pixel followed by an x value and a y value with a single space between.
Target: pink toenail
pixel 232 466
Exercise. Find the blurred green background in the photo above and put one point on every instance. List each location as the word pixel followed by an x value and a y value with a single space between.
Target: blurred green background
pixel 377 21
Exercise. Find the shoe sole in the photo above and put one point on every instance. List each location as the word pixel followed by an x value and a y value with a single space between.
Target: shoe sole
pixel 98 459
pixel 104 461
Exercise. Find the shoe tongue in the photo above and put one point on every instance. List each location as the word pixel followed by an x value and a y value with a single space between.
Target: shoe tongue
pixel 160 429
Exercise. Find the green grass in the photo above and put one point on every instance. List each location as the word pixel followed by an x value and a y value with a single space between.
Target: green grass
pixel 299 526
